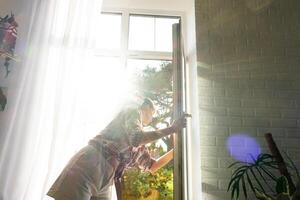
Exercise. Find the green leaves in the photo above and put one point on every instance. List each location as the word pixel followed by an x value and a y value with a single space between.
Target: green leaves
pixel 257 175
pixel 293 166
pixel 139 185
pixel 251 174
pixel 282 185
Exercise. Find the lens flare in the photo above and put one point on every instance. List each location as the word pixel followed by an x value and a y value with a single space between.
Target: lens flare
pixel 243 147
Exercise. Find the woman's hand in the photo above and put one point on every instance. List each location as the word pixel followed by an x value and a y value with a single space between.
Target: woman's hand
pixel 151 136
pixel 161 161
pixel 180 123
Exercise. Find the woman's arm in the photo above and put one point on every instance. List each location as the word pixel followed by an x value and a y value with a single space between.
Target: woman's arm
pixel 151 136
pixel 162 161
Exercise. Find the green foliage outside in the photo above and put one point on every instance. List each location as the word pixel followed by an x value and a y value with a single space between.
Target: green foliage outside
pixel 144 185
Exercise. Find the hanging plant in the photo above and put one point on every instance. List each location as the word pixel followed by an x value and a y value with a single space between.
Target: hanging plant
pixel 8 37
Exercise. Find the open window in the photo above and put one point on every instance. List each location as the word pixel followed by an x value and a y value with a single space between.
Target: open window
pixel 143 54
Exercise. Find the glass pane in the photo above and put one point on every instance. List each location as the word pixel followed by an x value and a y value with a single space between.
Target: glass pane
pixel 163 34
pixel 141 33
pixel 108 31
pixel 100 81
pixel 153 79
pixel 148 33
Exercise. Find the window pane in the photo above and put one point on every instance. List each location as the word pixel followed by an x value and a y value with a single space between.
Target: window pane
pixel 148 33
pixel 108 31
pixel 141 33
pixel 153 78
pixel 163 34
pixel 101 79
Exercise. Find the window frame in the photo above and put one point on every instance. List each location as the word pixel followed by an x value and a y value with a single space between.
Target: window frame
pixel 124 53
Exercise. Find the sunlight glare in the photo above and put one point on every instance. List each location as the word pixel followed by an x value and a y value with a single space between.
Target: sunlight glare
pixel 163 34
pixel 108 31
pixel 141 33
pixel 243 147
pixel 103 92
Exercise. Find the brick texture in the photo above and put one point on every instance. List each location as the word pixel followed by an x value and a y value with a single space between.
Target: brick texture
pixel 248 56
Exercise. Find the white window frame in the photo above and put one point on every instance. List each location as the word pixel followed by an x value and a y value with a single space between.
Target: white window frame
pixel 124 53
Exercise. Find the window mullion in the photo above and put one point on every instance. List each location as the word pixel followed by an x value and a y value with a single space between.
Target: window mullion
pixel 125 37
pixel 154 33
pixel 150 55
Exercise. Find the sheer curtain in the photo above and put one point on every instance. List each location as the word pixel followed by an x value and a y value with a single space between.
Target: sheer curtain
pixel 46 124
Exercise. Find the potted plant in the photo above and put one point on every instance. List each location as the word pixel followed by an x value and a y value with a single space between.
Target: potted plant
pixel 259 175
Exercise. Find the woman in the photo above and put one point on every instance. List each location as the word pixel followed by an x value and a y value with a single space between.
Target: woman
pixel 91 172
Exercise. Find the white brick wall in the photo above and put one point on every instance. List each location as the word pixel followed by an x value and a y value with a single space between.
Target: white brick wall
pixel 248 81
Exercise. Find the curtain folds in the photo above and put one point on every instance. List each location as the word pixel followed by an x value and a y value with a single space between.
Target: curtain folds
pixel 42 128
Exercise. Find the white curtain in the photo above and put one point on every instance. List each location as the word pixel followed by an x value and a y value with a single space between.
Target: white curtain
pixel 56 93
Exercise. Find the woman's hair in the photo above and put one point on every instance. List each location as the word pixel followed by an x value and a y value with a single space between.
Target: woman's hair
pixel 148 102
